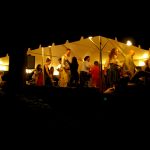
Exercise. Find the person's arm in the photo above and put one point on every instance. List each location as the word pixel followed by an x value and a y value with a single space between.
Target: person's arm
pixel 63 62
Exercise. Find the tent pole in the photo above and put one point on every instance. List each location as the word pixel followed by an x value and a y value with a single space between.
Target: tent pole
pixel 50 52
pixel 101 67
pixel 43 65
pixel 100 60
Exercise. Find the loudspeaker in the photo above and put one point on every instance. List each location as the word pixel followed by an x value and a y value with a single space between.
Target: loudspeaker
pixel 30 62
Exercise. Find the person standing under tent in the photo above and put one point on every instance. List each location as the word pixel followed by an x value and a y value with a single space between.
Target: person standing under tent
pixel 65 65
pixel 51 74
pixel 47 76
pixel 85 72
pixel 59 69
pixel 95 75
pixel 129 71
pixel 74 79
pixel 129 68
pixel 38 75
pixel 112 69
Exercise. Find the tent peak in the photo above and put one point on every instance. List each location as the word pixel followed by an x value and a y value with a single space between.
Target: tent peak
pixel 29 49
pixel 67 41
pixel 81 38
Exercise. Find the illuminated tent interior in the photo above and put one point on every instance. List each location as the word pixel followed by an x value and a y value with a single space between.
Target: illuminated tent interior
pixel 4 63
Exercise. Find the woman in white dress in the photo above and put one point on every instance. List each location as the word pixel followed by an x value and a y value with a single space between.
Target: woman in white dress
pixel 65 66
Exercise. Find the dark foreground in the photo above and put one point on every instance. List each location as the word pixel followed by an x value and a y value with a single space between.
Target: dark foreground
pixel 74 107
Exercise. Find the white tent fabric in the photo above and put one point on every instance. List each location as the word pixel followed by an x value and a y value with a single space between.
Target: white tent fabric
pixel 82 48
pixel 85 47
pixel 4 63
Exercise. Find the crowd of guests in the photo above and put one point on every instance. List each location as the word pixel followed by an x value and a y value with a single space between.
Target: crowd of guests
pixel 69 74
pixel 115 73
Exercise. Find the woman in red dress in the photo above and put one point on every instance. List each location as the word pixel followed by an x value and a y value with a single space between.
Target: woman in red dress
pixel 39 75
pixel 95 75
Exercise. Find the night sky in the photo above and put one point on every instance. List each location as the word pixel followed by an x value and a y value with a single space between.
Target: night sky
pixel 44 24
pixel 48 35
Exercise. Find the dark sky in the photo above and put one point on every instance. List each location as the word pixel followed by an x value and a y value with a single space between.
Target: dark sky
pixel 44 24
pixel 34 36
pixel 137 37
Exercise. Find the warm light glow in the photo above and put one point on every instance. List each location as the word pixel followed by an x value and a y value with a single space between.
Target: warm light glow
pixel 49 46
pixel 141 63
pixel 56 73
pixel 103 66
pixel 67 41
pixel 29 70
pixel 90 37
pixel 1 62
pixel 81 38
pixel 145 56
pixel 129 43
pixel 3 68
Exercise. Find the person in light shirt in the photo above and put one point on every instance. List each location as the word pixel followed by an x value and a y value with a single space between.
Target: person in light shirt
pixel 59 69
pixel 95 75
pixel 85 72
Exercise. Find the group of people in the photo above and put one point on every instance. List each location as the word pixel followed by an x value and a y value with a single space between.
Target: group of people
pixel 69 75
pixel 116 74
pixel 89 74
pixel 48 78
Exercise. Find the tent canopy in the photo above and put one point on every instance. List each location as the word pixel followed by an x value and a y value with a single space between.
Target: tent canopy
pixel 84 47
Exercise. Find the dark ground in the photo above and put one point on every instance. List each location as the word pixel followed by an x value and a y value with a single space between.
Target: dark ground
pixel 74 107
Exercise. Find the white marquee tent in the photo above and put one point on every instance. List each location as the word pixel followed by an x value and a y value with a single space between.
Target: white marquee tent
pixel 87 46
pixel 80 49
